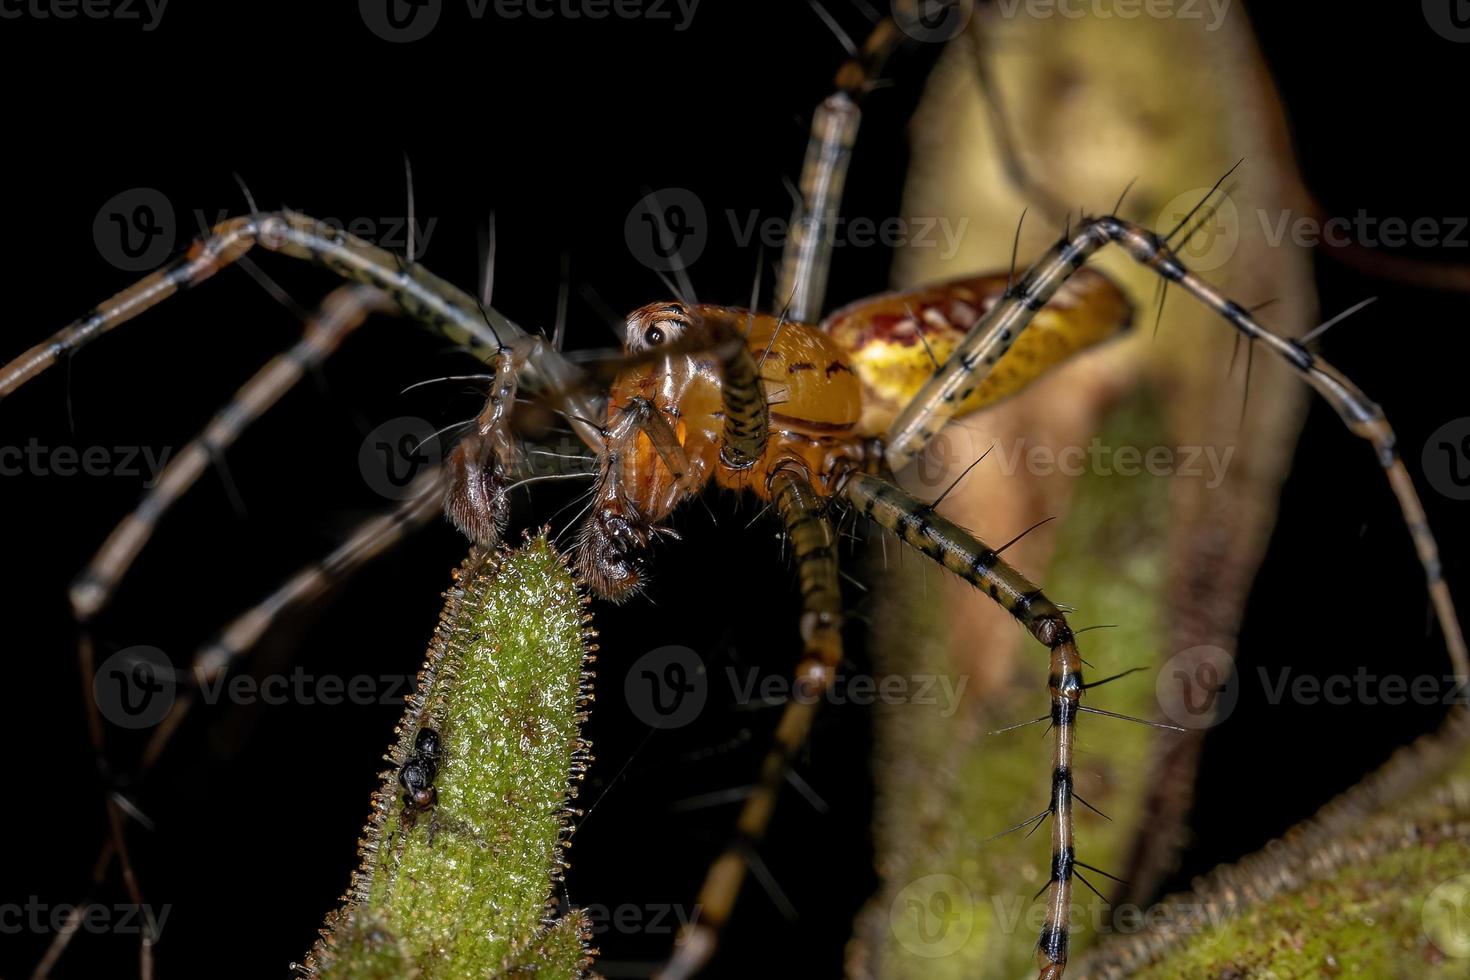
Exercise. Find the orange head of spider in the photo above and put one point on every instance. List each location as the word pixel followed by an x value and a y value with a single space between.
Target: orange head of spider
pixel 635 486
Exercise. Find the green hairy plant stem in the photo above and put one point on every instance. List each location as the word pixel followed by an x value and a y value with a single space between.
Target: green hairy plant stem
pixel 465 886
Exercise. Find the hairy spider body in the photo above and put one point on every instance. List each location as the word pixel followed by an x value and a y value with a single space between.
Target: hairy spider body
pixel 814 396
pixel 830 392
pixel 668 418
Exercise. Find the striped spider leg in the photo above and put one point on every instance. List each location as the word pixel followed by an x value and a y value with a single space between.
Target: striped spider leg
pixel 955 386
pixel 946 396
pixel 386 284
pixel 818 448
pixel 803 513
pixel 916 524
pixel 340 313
pixel 953 391
pixel 470 488
pixel 994 334
pixel 800 289
pixel 807 256
pixel 801 286
pixel 475 496
pixel 420 294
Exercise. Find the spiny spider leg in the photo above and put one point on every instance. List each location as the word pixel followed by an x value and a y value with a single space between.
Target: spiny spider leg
pixel 800 290
pixel 618 529
pixel 917 525
pixel 116 841
pixel 421 295
pixel 641 416
pixel 476 499
pixel 369 541
pixel 341 312
pixel 747 417
pixel 806 258
pixel 973 359
pixel 804 516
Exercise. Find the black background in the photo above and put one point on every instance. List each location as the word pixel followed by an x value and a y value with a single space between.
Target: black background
pixel 560 126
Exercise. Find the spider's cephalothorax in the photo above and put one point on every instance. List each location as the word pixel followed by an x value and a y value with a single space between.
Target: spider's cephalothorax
pixel 668 418
pixel 787 394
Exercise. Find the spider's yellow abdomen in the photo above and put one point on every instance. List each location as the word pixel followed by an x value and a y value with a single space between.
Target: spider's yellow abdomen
pixel 896 341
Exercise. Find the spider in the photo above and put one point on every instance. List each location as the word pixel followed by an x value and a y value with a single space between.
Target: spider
pixel 758 403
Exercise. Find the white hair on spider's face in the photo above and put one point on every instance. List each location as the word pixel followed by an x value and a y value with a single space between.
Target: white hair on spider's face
pixel 657 325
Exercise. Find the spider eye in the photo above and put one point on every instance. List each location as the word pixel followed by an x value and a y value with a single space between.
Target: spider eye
pixel 653 336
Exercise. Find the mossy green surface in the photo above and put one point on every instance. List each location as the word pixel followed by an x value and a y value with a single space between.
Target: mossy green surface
pixel 1377 884
pixel 465 887
pixel 1366 920
pixel 1388 900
